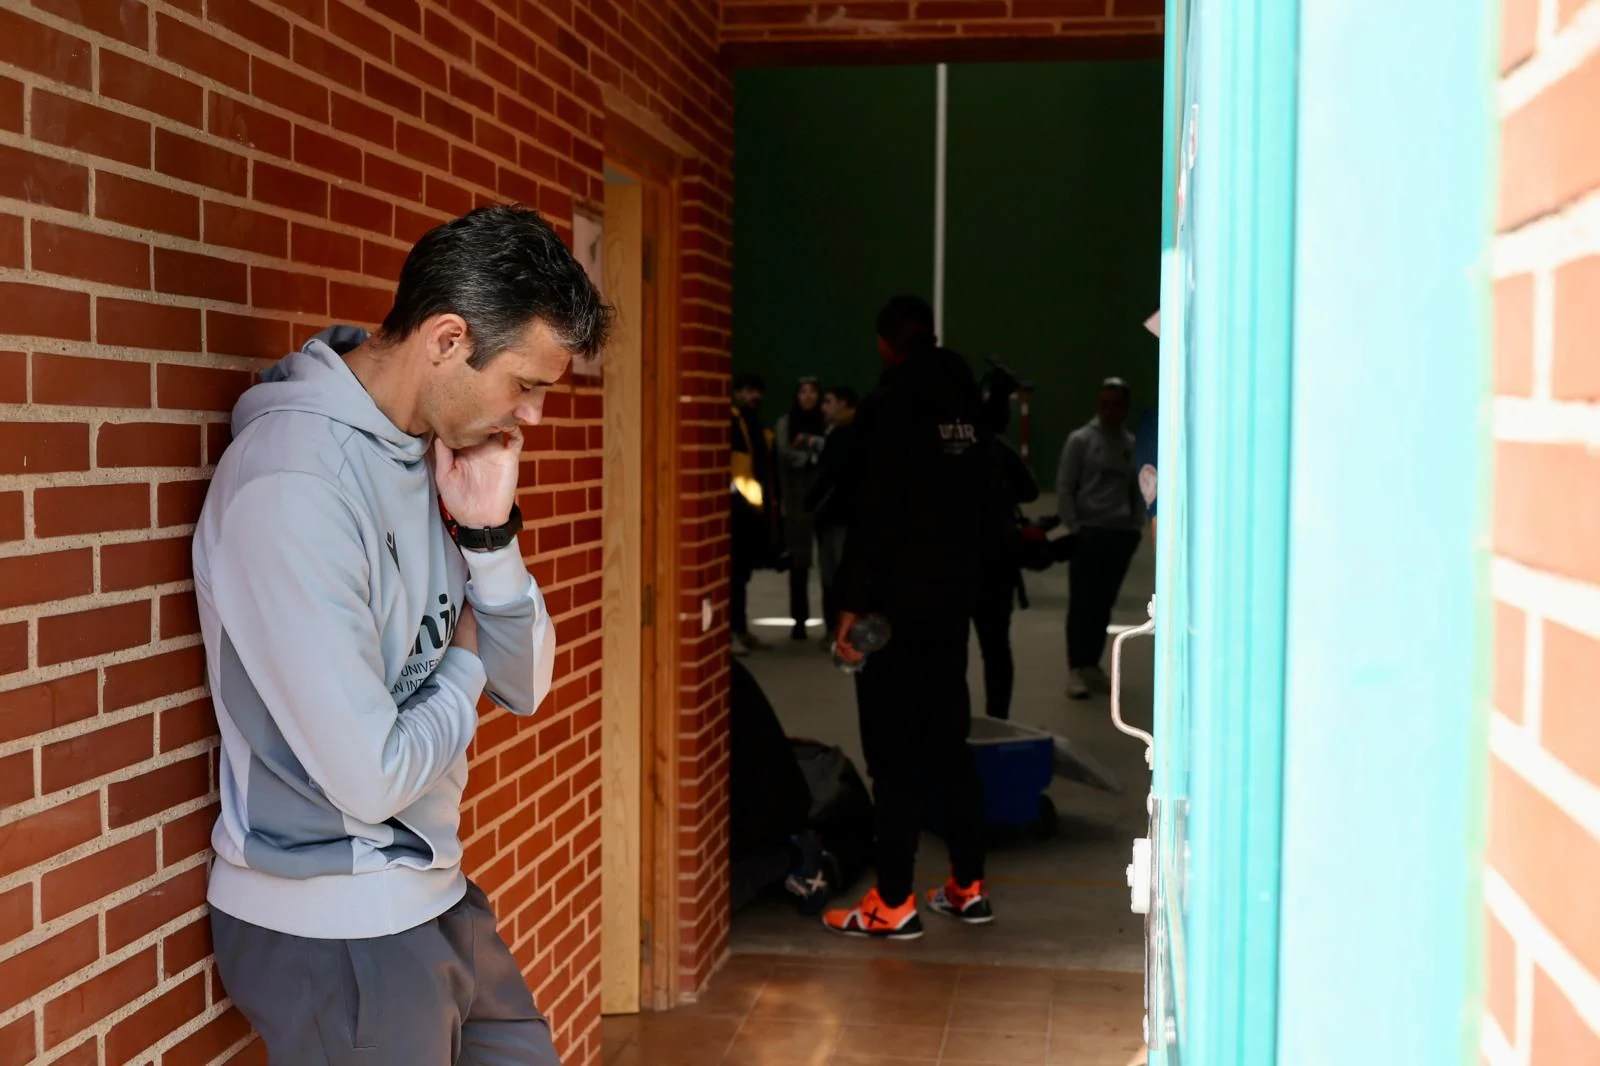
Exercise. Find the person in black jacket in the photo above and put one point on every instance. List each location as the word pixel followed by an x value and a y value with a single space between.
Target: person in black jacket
pixel 828 501
pixel 921 524
pixel 1002 576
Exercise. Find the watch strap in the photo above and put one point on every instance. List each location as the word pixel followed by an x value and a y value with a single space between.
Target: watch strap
pixel 484 539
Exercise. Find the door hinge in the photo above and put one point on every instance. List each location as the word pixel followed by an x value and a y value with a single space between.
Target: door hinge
pixel 647 609
pixel 644 941
pixel 649 260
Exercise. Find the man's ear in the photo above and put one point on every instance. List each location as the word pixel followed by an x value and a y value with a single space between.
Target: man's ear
pixel 448 339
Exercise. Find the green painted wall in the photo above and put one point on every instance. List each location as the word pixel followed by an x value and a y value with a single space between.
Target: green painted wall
pixel 833 211
pixel 1053 224
pixel 1053 231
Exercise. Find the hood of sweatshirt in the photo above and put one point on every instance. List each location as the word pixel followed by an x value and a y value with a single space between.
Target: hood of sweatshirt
pixel 316 380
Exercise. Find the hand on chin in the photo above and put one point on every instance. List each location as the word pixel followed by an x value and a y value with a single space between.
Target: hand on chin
pixel 477 482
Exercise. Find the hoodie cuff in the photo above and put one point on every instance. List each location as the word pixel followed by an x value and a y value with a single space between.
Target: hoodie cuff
pixel 464 670
pixel 499 577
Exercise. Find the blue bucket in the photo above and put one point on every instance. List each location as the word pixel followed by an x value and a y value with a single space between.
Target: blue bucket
pixel 1016 764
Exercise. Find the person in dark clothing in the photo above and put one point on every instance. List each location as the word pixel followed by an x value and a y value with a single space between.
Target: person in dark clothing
pixel 920 528
pixel 1002 576
pixel 828 500
pixel 800 435
pixel 751 497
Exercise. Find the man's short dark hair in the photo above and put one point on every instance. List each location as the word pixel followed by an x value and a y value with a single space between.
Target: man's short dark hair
pixel 748 380
pixel 499 267
pixel 906 323
pixel 845 394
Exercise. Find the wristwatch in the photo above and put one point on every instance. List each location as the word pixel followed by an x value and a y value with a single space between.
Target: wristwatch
pixel 493 538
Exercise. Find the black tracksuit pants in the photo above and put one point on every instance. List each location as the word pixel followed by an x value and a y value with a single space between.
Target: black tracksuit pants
pixel 1100 559
pixel 915 718
pixel 992 621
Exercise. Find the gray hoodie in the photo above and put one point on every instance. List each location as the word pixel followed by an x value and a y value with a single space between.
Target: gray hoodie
pixel 329 589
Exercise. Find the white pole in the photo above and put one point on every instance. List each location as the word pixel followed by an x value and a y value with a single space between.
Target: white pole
pixel 941 106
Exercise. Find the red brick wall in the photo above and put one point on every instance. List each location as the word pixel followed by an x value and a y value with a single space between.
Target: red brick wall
pixel 899 21
pixel 189 188
pixel 1543 938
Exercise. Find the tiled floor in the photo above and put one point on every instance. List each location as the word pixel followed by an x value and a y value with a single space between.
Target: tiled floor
pixel 781 1011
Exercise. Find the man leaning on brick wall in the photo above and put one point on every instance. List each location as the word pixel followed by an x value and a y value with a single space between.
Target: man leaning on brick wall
pixel 370 483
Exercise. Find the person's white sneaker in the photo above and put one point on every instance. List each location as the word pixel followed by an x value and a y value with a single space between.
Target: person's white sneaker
pixel 1077 685
pixel 1096 679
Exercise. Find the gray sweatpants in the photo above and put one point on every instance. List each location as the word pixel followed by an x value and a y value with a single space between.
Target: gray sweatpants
pixel 446 993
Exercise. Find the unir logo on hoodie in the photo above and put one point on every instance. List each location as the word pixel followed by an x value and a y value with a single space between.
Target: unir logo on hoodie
pixel 958 436
pixel 433 637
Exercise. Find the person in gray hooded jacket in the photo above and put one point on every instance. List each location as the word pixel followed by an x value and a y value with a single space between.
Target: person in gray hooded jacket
pixel 360 588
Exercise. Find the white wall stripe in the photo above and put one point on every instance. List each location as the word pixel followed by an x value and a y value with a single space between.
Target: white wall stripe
pixel 1549 15
pixel 1571 233
pixel 1544 331
pixel 1578 984
pixel 1533 675
pixel 1494 1045
pixel 1546 421
pixel 1560 599
pixel 1524 986
pixel 1559 55
pixel 1545 773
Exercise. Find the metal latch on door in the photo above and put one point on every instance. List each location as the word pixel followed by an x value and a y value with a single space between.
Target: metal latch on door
pixel 1139 871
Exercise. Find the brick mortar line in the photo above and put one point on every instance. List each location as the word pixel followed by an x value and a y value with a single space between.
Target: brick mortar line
pixel 106 904
pixel 1567 601
pixel 1565 788
pixel 100 476
pixel 253 154
pixel 1552 956
pixel 156 241
pixel 1523 961
pixel 1557 57
pixel 1551 241
pixel 105 415
pixel 1544 339
pixel 1538 421
pixel 121 353
pixel 104 720
pixel 150 476
pixel 103 962
pixel 156 1052
pixel 100 786
pixel 1545 23
pixel 450 60
pixel 1494 1045
pixel 1533 677
pixel 89 601
pixel 54 671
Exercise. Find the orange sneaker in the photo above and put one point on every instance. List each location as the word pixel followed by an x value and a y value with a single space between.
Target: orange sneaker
pixel 967 904
pixel 875 919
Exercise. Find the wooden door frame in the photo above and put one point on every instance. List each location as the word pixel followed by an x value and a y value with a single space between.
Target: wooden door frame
pixel 655 162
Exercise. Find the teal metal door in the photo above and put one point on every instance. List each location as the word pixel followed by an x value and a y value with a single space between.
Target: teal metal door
pixel 1325 232
pixel 1223 529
